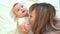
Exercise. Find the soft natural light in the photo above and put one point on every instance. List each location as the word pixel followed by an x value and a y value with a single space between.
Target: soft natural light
pixel 6 22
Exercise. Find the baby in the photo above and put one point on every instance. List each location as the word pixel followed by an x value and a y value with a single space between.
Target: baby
pixel 20 16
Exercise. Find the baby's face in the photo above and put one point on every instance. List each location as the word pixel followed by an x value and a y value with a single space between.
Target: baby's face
pixel 18 8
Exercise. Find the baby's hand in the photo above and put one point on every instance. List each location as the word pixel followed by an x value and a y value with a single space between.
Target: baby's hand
pixel 24 28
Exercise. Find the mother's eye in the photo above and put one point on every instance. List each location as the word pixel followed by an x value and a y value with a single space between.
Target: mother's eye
pixel 30 15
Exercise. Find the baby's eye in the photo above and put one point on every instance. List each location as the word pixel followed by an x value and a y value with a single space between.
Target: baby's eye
pixel 22 6
pixel 18 9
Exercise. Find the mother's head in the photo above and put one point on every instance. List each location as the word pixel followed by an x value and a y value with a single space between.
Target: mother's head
pixel 40 15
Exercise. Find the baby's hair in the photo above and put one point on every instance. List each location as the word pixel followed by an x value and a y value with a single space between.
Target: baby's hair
pixel 13 7
pixel 12 13
pixel 15 4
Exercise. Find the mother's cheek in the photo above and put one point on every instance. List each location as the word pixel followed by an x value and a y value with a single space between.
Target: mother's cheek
pixel 31 21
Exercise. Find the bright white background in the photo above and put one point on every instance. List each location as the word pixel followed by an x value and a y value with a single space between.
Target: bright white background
pixel 6 22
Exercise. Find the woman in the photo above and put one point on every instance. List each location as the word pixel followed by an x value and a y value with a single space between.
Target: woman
pixel 42 19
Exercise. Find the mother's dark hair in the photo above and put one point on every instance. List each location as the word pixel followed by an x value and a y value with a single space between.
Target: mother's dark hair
pixel 45 13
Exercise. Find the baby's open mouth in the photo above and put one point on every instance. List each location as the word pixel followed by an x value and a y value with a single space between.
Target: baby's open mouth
pixel 23 11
